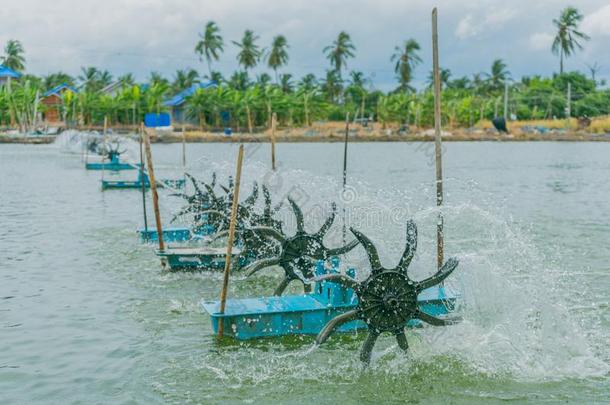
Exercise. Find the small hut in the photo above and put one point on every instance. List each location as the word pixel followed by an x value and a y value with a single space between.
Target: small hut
pixel 53 100
pixel 177 105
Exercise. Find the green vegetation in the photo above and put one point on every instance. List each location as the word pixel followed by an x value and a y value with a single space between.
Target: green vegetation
pixel 250 101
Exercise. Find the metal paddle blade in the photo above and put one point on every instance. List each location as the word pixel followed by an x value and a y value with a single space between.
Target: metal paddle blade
pixel 298 214
pixel 370 249
pixel 334 323
pixel 440 275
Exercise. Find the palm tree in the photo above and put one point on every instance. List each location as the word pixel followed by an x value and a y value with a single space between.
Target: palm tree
pixel 197 106
pixel 566 40
pixel 105 78
pixel 55 79
pixel 249 53
pixel 154 96
pixel 127 80
pixel 308 82
pixel 357 79
pixel 478 83
pixel 216 77
pixel 157 78
pixel 357 90
pixel 333 84
pixel 406 59
pixel 239 81
pixel 286 83
pixel 89 77
pixel 263 79
pixel 339 51
pixel 498 76
pixel 13 56
pixel 185 79
pixel 210 44
pixel 278 55
pixel 445 76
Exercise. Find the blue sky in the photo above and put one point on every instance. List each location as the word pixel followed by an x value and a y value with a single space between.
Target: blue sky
pixel 140 36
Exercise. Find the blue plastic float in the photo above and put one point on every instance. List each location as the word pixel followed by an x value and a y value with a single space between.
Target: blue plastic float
pixel 137 184
pixel 176 234
pixel 199 257
pixel 254 318
pixel 114 164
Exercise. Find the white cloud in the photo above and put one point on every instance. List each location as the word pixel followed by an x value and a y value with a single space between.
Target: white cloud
pixel 140 36
pixel 490 21
pixel 540 41
pixel 466 28
pixel 598 22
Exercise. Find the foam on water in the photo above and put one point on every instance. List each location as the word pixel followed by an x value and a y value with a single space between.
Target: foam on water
pixel 516 320
pixel 74 141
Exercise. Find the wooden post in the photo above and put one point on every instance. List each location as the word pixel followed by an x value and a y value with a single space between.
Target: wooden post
pixel 34 118
pixel 142 183
pixel 105 125
pixel 345 170
pixel 437 139
pixel 506 100
pixel 183 148
pixel 569 105
pixel 225 281
pixel 273 123
pixel 153 189
pixel 249 119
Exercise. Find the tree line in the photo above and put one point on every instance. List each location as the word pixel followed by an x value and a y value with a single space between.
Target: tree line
pixel 246 102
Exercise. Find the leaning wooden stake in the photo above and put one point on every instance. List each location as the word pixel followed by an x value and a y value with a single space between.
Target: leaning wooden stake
pixel 225 281
pixel 438 140
pixel 143 183
pixel 153 189
pixel 273 122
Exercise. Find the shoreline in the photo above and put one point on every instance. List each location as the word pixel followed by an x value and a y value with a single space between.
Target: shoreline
pixel 355 135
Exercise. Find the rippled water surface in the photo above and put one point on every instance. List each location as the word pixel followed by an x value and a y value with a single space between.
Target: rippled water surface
pixel 87 315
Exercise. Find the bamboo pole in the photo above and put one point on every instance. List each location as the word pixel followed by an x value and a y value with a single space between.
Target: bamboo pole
pixel 345 171
pixel 143 183
pixel 153 189
pixel 437 140
pixel 225 281
pixel 273 123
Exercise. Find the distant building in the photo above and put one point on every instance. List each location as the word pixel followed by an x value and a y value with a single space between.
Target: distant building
pixel 7 74
pixel 176 104
pixel 53 102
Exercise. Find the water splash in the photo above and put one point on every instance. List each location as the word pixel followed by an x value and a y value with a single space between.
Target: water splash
pixel 517 321
pixel 76 142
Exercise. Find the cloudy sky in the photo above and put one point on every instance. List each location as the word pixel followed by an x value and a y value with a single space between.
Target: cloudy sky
pixel 141 36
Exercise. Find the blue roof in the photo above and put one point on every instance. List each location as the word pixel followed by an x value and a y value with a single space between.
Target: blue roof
pixel 179 98
pixel 58 89
pixel 7 72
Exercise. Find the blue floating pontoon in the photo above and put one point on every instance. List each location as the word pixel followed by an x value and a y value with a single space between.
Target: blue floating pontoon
pixel 199 258
pixel 137 184
pixel 175 234
pixel 113 165
pixel 253 318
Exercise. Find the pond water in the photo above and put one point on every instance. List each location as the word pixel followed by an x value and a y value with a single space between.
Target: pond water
pixel 87 315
